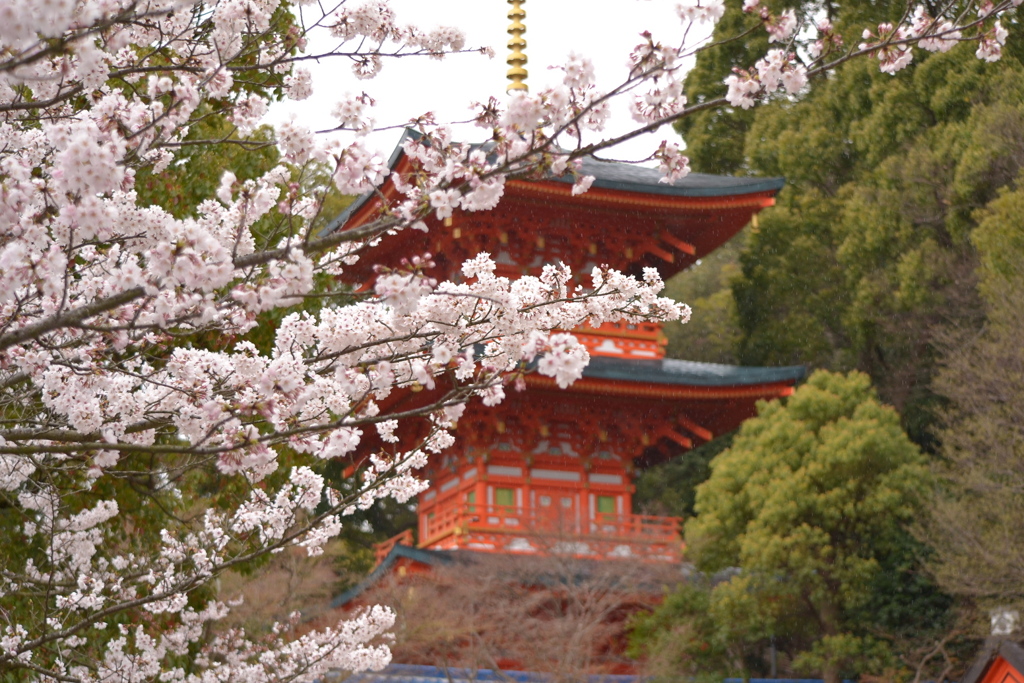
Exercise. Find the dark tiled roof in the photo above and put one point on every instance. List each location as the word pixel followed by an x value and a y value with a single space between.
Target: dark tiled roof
pixel 531 569
pixel 690 373
pixel 429 557
pixel 614 175
pixel 632 178
pixel 410 673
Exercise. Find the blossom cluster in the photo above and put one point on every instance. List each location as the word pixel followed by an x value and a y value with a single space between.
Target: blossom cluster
pixel 892 44
pixel 775 69
pixel 375 21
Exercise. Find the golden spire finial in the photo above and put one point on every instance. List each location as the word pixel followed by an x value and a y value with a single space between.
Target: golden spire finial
pixel 516 59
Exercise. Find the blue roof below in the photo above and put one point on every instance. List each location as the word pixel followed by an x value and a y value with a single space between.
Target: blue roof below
pixel 779 680
pixel 430 557
pixel 689 373
pixel 411 673
pixel 415 673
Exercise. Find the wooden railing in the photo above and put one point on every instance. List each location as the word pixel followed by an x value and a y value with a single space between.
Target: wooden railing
pixel 475 519
pixel 381 550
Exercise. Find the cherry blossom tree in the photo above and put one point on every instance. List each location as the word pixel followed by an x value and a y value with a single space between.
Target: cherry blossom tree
pixel 147 444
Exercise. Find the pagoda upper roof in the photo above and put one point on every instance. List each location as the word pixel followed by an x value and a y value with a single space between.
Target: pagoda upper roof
pixel 613 175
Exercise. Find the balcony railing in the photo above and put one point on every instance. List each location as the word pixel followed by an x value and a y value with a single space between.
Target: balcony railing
pixel 484 527
pixel 381 550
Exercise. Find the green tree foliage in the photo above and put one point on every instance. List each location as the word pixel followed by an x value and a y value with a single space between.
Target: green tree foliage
pixel 198 170
pixel 681 640
pixel 809 505
pixel 712 335
pixel 894 249
pixel 715 138
pixel 975 522
pixel 868 256
pixel 670 489
pixel 874 232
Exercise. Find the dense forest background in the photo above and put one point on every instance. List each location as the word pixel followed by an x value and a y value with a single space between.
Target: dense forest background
pixel 894 259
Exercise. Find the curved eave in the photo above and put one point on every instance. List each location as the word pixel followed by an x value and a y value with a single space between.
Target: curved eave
pixel 694 373
pixel 641 197
pixel 632 178
pixel 398 553
pixel 674 379
pixel 761 185
pixel 612 387
pixel 615 183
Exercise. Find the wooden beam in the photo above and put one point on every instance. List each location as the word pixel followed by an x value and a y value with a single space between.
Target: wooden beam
pixel 660 253
pixel 692 426
pixel 682 246
pixel 677 437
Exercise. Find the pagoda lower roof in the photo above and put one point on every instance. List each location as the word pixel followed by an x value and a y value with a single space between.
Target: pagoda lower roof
pixel 614 175
pixel 672 371
pixel 398 553
pixel 652 579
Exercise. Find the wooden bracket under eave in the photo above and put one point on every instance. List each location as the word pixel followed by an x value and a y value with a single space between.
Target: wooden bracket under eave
pixel 695 428
pixel 677 437
pixel 674 241
pixel 660 253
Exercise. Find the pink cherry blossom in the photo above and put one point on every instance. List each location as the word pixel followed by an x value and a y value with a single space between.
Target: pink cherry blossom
pixel 781 28
pixel 700 11
pixel 742 91
pixel 582 184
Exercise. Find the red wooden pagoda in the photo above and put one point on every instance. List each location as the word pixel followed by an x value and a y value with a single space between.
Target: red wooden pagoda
pixel 552 470
pixel 1000 661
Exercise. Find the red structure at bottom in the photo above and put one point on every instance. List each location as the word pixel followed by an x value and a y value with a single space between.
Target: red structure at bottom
pixel 554 613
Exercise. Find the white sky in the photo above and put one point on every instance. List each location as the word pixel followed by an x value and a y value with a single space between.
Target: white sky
pixel 604 30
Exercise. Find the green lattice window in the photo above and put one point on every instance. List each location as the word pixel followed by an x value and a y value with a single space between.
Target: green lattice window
pixel 505 497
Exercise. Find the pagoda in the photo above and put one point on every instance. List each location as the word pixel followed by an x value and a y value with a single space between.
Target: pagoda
pixel 552 470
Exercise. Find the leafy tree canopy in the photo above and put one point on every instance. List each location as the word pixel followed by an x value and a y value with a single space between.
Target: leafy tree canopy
pixel 868 256
pixel 809 504
pixel 974 523
pixel 671 488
